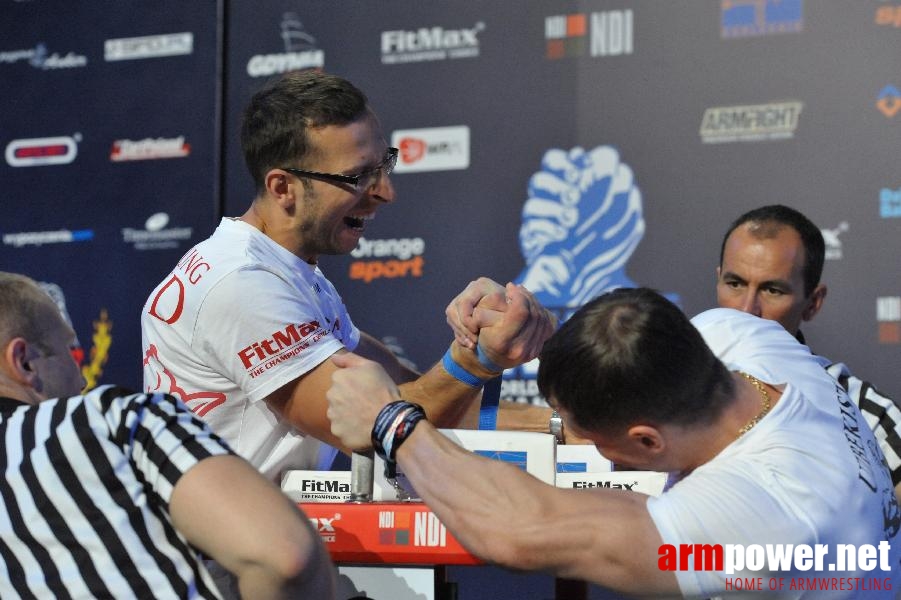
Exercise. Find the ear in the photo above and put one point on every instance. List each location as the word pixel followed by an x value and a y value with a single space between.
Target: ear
pixel 647 439
pixel 719 269
pixel 279 187
pixel 815 302
pixel 17 357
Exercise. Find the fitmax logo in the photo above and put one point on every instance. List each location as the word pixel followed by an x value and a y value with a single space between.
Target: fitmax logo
pixel 281 340
pixel 583 485
pixel 325 526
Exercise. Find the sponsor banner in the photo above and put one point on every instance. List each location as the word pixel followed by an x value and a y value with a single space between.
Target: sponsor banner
pixel 301 51
pixel 149 149
pixel 606 33
pixel 156 235
pixel 148 46
pixel 430 44
pixel 40 238
pixel 387 259
pixel 889 15
pixel 888 317
pixel 41 58
pixel 750 123
pixel 833 243
pixel 431 149
pixel 317 486
pixel 389 533
pixel 888 102
pixel 35 152
pixel 889 203
pixel 645 482
pixel 746 18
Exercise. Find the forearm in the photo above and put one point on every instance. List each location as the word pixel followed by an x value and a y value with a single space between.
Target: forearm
pixel 314 579
pixel 506 516
pixel 447 400
pixel 517 416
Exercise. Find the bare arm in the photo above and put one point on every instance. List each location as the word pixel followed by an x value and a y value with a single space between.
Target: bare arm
pixel 224 507
pixel 508 517
pixel 510 337
pixel 371 348
pixel 501 513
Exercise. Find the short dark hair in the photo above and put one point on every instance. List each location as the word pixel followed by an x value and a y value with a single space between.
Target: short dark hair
pixel 631 356
pixel 779 216
pixel 275 123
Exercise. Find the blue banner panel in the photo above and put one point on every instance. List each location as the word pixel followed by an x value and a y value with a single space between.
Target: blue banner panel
pixel 108 123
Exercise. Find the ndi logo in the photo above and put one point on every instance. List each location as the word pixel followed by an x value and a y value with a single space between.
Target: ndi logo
pixel 606 33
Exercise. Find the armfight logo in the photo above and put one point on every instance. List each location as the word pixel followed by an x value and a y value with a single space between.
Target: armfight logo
pixel 300 51
pixel 750 123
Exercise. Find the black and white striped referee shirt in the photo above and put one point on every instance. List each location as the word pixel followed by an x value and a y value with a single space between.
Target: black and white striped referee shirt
pixel 85 497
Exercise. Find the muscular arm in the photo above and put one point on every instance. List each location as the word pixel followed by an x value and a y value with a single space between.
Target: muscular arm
pixel 501 513
pixel 371 348
pixel 303 402
pixel 224 507
pixel 510 337
pixel 506 516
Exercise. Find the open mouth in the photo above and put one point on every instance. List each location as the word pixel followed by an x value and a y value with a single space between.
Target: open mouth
pixel 357 223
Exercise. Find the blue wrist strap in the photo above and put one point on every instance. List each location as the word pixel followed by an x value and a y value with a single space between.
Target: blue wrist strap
pixel 458 372
pixel 487 362
pixel 491 395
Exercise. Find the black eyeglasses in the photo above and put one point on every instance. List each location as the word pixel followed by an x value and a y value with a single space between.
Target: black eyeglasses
pixel 360 181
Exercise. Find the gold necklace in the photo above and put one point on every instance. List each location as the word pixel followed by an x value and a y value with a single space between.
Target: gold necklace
pixel 765 402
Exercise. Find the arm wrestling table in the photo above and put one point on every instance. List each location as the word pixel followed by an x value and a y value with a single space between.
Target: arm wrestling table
pixel 401 534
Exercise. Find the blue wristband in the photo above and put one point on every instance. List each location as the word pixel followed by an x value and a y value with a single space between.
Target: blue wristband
pixel 487 362
pixel 458 372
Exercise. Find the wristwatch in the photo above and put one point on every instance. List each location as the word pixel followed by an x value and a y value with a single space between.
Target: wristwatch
pixel 555 426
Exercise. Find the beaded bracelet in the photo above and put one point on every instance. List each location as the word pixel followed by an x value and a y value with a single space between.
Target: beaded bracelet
pixel 394 424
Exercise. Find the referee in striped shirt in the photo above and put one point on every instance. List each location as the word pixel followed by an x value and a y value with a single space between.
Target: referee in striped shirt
pixel 114 495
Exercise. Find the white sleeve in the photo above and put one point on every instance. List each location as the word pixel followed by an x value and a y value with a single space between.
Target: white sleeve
pixel 261 332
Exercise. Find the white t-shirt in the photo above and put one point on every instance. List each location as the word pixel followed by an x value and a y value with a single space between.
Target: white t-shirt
pixel 237 318
pixel 809 472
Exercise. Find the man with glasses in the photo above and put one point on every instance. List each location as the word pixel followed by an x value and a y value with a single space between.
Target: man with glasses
pixel 243 327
